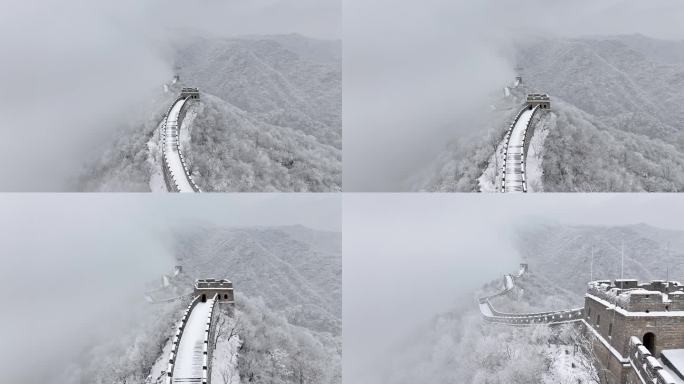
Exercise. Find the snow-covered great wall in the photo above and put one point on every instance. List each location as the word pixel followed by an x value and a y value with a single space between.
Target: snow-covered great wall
pixel 508 168
pixel 194 342
pixel 491 315
pixel 516 143
pixel 190 359
pixel 515 151
pixel 176 174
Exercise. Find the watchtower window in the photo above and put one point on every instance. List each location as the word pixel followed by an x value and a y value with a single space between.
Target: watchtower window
pixel 204 298
pixel 588 312
pixel 225 297
pixel 610 329
pixel 598 320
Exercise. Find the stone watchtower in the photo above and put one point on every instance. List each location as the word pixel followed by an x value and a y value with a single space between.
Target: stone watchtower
pixel 207 288
pixel 518 81
pixel 191 93
pixel 650 315
pixel 538 99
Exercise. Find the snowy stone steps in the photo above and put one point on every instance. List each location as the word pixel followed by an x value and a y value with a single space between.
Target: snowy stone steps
pixel 513 169
pixel 175 164
pixel 190 359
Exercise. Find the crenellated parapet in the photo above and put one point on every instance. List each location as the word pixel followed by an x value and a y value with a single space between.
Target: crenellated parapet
pixel 646 367
pixel 630 295
pixel 541 100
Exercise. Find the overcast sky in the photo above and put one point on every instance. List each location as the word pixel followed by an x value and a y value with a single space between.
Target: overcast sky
pixel 70 263
pixel 420 73
pixel 73 71
pixel 409 257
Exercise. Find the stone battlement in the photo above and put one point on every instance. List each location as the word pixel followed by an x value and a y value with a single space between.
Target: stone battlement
pixel 207 288
pixel 213 283
pixel 630 295
pixel 192 93
pixel 645 365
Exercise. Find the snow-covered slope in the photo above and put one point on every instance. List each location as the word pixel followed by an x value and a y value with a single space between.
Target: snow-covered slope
pixel 269 119
pixel 620 120
pixel 287 81
pixel 231 150
pixel 611 79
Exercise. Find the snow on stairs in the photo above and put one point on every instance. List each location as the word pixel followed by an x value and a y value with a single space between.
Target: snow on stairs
pixel 189 363
pixel 513 169
pixel 176 170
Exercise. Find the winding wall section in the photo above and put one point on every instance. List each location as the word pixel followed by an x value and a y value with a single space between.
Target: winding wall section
pixel 491 315
pixel 516 143
pixel 176 174
pixel 190 358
